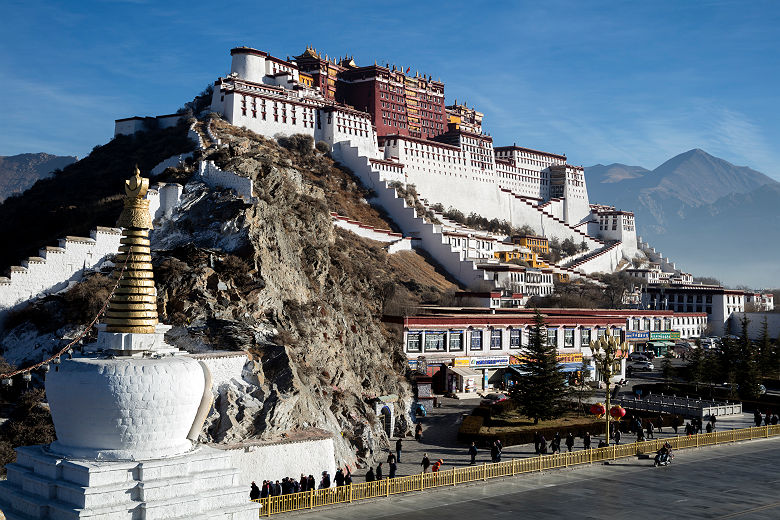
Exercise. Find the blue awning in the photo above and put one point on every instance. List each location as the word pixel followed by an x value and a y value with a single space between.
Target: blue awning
pixel 575 367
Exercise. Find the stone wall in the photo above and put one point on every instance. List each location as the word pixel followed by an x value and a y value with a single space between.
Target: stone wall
pixel 258 460
pixel 213 176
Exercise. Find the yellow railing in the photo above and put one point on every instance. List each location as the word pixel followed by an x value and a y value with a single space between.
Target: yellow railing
pixel 453 477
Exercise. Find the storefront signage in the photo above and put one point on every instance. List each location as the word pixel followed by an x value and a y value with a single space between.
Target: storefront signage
pixel 490 362
pixel 460 362
pixel 664 334
pixel 637 335
pixel 566 357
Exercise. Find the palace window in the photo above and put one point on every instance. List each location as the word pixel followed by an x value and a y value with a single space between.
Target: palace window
pixel 552 337
pixel 515 338
pixel 434 341
pixel 568 338
pixel 456 341
pixel 495 339
pixel 584 337
pixel 476 340
pixel 413 342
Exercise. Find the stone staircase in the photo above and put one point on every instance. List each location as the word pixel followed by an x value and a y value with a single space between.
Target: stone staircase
pixel 428 236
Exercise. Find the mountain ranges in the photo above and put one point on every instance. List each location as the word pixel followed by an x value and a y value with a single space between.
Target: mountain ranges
pixel 709 216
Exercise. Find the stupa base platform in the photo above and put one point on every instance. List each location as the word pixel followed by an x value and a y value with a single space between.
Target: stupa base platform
pixel 198 485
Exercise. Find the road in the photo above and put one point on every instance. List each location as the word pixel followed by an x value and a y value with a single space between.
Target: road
pixel 732 481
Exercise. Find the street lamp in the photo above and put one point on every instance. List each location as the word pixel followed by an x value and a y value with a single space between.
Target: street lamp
pixel 605 351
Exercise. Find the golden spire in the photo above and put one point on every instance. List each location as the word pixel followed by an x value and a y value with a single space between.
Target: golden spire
pixel 133 306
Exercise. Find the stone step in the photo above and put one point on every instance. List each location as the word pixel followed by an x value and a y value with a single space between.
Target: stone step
pixel 164 489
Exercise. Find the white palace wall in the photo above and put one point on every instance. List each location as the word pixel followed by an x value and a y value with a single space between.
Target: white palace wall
pixel 258 460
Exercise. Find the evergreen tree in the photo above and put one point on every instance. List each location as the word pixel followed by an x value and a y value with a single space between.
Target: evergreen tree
pixel 766 352
pixel 695 366
pixel 747 368
pixel 667 370
pixel 541 393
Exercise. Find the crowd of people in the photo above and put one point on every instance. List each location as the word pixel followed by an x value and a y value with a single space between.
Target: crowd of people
pixel 768 419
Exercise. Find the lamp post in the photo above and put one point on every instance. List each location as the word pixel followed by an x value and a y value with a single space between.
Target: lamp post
pixel 605 351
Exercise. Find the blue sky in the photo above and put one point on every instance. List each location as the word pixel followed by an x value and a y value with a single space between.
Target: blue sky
pixel 630 82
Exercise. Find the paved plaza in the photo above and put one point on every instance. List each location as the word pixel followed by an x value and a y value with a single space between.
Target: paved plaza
pixel 441 431
pixel 738 481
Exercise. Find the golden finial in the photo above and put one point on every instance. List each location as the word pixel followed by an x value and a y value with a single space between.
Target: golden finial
pixel 133 306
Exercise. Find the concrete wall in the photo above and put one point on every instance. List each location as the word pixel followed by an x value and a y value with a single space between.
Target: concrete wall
pixel 604 261
pixel 225 367
pixel 365 231
pixel 212 175
pixel 55 267
pixel 258 461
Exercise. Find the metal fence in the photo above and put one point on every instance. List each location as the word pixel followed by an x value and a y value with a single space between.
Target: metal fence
pixel 686 406
pixel 453 477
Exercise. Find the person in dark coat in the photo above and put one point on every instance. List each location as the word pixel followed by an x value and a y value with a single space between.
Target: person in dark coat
pixel 325 482
pixel 537 443
pixel 379 471
pixel 398 447
pixel 543 445
pixel 713 419
pixel 254 492
pixel 709 427
pixel 494 453
pixel 569 441
pixel 339 477
pixel 370 474
pixel 418 433
pixel 277 489
pixel 767 419
pixel 266 491
pixel 650 430
pixel 757 418
pixel 775 420
pixel 617 436
pixel 426 462
pixel 348 477
pixel 304 483
pixel 473 453
pixel 312 485
pixel 659 424
pixel 688 429
pixel 393 466
pixel 586 441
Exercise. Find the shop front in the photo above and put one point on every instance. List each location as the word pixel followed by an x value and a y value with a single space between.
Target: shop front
pixel 461 378
pixel 491 370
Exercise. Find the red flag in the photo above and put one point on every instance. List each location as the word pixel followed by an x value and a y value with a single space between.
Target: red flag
pixel 408 69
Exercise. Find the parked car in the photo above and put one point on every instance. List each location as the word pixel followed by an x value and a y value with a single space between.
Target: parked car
pixel 493 399
pixel 637 356
pixel 641 366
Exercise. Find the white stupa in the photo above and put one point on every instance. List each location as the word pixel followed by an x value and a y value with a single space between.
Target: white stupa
pixel 127 416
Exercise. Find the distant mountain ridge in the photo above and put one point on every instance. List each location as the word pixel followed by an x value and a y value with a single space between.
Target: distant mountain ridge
pixel 20 172
pixel 700 210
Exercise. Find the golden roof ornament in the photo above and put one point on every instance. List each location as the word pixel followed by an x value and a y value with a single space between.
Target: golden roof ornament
pixel 133 306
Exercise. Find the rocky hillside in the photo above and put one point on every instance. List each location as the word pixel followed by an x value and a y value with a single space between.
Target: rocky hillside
pixel 19 172
pixel 277 279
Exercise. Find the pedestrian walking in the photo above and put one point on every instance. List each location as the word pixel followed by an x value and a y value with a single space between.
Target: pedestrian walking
pixel 348 477
pixel 767 419
pixel 537 443
pixel 675 423
pixel 312 485
pixel 757 418
pixel 650 430
pixel 254 492
pixel 339 477
pixel 543 445
pixel 586 441
pixel 709 427
pixel 370 475
pixel 500 449
pixel 426 462
pixel 393 467
pixel 569 441
pixel 555 445
pixel 713 418
pixel 640 435
pixel 688 429
pixel 398 447
pixel 473 453
pixel 418 433
pixel 617 437
pixel 379 471
pixel 436 466
pixel 325 482
pixel 775 419
pixel 659 424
